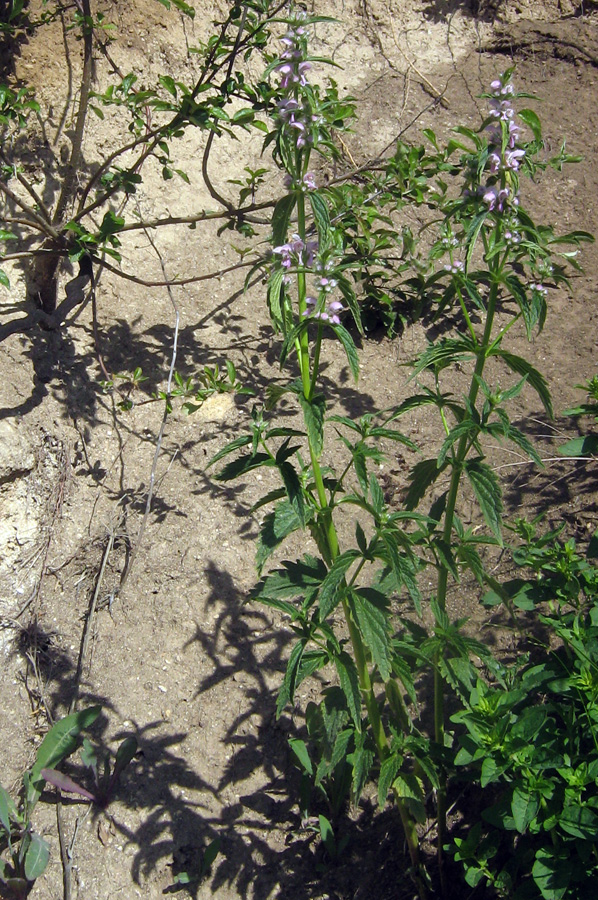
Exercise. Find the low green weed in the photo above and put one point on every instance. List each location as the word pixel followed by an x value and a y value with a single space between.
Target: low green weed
pixel 28 852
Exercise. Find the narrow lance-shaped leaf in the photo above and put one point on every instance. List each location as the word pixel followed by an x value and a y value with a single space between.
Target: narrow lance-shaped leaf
pixel 8 810
pixel 349 679
pixel 361 759
pixel 294 489
pixel 276 527
pixel 64 783
pixel 401 569
pixel 349 348
pixel 329 594
pixel 388 772
pixel 522 367
pixel 313 414
pixel 321 215
pixel 281 217
pixel 287 690
pixel 59 742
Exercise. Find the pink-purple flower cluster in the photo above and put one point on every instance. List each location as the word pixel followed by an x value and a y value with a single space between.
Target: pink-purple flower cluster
pixel 307 183
pixel 454 267
pixel 504 157
pixel 297 252
pixel 293 66
pixel 329 313
pixel 294 113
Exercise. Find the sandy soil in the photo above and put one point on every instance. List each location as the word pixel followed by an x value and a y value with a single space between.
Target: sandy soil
pixel 176 658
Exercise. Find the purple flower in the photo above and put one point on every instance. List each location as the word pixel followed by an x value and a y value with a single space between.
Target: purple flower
pixel 330 313
pixel 495 198
pixel 494 163
pixel 513 158
pixel 309 181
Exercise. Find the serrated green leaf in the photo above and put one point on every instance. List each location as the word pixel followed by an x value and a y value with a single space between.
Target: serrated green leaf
pixel 294 489
pixel 275 297
pixel 409 789
pixel 522 367
pixel 486 487
pixel 295 579
pixel 349 348
pixel 346 289
pixel 388 772
pixel 370 609
pixel 377 496
pixel 281 217
pixel 402 570
pixel 472 235
pixel 321 215
pixel 230 448
pixel 4 280
pixel 361 759
pixel 313 414
pixel 421 477
pixel 462 429
pixel 276 527
pixel 287 690
pixel 242 465
pixel 329 595
pixel 349 679
pixel 36 858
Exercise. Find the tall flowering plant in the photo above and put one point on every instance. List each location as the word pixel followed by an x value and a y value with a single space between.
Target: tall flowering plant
pixel 340 600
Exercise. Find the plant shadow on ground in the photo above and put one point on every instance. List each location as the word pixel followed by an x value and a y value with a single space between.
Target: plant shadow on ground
pixel 264 846
pixel 441 10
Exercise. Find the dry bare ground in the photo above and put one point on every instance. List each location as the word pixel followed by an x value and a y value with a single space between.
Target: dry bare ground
pixel 175 657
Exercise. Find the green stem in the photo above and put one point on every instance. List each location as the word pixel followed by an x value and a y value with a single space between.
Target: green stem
pixel 449 517
pixel 325 514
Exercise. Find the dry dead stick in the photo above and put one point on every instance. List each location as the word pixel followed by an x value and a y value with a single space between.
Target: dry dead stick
pixel 89 619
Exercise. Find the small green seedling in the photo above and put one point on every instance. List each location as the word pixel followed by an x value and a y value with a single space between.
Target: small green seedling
pixel 194 875
pixel 104 783
pixel 28 852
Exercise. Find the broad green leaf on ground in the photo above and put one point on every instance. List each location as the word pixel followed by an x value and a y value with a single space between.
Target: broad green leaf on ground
pixel 59 743
pixel 36 858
